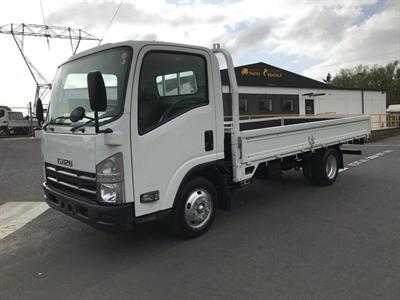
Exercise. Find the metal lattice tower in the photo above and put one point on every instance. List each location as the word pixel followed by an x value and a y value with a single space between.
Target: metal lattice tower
pixel 21 30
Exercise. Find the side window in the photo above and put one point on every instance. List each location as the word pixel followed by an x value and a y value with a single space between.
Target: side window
pixel 265 105
pixel 287 105
pixel 170 84
pixel 2 113
pixel 243 107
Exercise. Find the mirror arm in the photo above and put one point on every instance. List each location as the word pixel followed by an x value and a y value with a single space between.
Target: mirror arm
pixel 96 124
pixel 96 121
pixel 107 130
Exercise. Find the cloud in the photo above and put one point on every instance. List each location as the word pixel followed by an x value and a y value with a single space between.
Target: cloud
pixel 374 41
pixel 310 29
pixel 91 15
pixel 246 36
pixel 321 36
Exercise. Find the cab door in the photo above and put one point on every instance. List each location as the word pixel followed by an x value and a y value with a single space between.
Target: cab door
pixel 173 122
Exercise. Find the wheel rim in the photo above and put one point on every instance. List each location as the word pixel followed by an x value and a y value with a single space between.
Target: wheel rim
pixel 331 166
pixel 198 209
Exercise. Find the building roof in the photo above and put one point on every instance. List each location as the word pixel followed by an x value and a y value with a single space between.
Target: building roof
pixel 265 75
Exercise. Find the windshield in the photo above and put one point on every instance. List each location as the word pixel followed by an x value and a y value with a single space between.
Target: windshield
pixel 70 85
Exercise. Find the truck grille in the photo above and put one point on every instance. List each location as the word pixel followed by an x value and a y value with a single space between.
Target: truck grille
pixel 73 182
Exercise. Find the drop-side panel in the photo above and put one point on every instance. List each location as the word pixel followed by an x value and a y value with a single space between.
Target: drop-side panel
pixel 277 142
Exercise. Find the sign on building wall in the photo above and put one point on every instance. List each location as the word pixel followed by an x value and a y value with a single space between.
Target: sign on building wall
pixel 267 73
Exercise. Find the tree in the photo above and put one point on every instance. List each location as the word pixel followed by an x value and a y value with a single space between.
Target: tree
pixel 377 77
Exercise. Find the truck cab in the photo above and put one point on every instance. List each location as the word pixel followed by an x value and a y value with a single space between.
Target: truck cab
pixel 13 122
pixel 162 127
pixel 4 120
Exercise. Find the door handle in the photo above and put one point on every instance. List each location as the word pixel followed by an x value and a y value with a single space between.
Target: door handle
pixel 209 140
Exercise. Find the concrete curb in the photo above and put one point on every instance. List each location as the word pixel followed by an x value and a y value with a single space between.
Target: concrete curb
pixel 383 133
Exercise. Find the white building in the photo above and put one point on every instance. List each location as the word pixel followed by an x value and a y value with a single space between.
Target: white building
pixel 268 90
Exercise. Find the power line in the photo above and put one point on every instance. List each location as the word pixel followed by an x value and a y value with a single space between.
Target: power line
pixel 44 23
pixel 111 21
pixel 21 30
pixel 41 9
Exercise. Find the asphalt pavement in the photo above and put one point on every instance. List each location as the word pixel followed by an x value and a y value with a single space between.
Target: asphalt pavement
pixel 283 239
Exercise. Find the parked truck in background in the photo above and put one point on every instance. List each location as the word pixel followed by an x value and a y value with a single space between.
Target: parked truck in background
pixel 13 122
pixel 135 132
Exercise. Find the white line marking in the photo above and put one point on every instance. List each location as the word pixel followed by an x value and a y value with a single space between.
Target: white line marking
pixel 380 145
pixel 14 215
pixel 365 159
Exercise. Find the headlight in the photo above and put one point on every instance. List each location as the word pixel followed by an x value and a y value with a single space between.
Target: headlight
pixel 110 179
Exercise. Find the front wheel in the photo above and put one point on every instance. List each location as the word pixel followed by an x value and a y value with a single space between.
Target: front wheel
pixel 3 131
pixel 194 208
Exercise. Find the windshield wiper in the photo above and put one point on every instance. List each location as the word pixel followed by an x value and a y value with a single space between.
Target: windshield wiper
pixel 75 128
pixel 52 121
pixel 58 118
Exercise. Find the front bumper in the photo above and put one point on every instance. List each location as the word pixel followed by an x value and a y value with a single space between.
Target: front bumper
pixel 110 218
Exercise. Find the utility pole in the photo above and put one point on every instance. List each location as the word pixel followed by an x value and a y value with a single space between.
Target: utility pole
pixel 21 30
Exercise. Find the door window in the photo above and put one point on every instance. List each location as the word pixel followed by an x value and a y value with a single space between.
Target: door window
pixel 170 84
pixel 177 84
pixel 2 113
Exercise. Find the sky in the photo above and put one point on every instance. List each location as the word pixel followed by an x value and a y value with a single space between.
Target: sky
pixel 309 37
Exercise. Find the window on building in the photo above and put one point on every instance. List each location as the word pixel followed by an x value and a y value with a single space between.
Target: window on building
pixel 170 84
pixel 2 113
pixel 287 105
pixel 243 106
pixel 265 105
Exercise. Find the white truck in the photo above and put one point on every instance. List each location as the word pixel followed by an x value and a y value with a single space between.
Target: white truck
pixel 13 122
pixel 135 132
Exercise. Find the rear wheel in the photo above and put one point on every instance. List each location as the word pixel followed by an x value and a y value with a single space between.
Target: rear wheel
pixel 194 208
pixel 322 168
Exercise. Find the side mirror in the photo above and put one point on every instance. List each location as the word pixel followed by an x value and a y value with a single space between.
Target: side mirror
pixel 77 114
pixel 39 111
pixel 97 91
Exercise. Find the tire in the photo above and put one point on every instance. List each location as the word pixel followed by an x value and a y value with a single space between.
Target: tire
pixel 326 167
pixel 3 131
pixel 194 208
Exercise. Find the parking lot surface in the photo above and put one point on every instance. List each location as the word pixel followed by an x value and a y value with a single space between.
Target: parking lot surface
pixel 283 239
